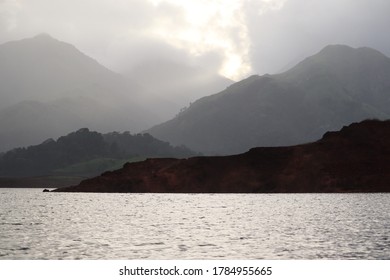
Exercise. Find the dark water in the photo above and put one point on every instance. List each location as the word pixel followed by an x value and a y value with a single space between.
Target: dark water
pixel 37 225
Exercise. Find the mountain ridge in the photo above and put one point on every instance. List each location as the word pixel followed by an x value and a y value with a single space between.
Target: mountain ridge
pixel 69 90
pixel 84 153
pixel 293 107
pixel 354 159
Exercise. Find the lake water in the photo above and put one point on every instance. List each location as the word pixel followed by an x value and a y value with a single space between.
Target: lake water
pixel 37 225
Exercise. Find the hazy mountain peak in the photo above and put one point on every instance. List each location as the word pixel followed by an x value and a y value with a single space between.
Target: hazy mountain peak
pixel 344 52
pixel 49 87
pixel 45 41
pixel 43 68
pixel 43 36
pixel 340 61
pixel 331 49
pixel 332 88
pixel 38 44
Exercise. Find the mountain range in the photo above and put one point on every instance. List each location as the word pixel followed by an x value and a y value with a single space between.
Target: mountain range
pixel 335 87
pixel 49 88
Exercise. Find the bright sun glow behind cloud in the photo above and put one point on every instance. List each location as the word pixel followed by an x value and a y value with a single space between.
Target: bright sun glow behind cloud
pixel 212 26
pixel 214 30
pixel 234 37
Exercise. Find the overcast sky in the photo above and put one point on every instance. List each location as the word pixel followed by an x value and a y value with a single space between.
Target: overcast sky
pixel 234 37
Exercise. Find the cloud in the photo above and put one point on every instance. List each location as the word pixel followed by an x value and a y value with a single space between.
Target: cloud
pixel 8 10
pixel 236 37
pixel 301 28
pixel 210 26
pixel 105 29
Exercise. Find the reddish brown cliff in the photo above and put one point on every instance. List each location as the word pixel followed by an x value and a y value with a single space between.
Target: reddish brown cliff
pixel 355 159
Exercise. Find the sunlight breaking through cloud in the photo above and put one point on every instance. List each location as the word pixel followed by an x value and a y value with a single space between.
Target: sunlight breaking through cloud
pixel 213 26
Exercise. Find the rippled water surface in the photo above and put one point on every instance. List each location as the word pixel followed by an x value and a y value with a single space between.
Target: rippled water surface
pixel 37 225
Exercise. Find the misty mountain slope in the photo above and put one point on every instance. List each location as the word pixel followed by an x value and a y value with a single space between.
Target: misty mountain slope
pixel 335 87
pixel 362 72
pixel 173 86
pixel 43 68
pixel 30 122
pixel 48 87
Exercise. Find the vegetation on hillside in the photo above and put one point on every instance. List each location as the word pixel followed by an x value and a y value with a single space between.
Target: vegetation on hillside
pixel 85 153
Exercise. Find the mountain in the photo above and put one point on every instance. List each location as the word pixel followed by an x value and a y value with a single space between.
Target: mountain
pixel 84 153
pixel 48 88
pixel 173 86
pixel 355 159
pixel 333 88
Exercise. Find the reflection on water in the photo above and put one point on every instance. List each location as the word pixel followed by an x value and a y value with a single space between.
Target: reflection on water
pixel 37 225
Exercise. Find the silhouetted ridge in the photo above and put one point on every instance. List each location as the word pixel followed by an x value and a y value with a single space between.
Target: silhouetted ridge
pixel 355 159
pixel 85 153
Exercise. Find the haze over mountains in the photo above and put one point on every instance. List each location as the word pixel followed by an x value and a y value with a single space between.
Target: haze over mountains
pixel 48 88
pixel 179 84
pixel 337 86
